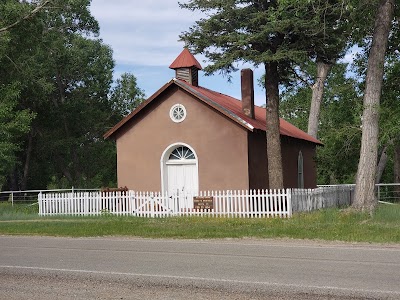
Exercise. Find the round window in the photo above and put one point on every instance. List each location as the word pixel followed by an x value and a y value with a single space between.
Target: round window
pixel 177 113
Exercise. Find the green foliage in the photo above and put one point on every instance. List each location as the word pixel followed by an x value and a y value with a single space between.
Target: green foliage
pixel 13 125
pixel 389 124
pixel 287 37
pixel 339 125
pixel 340 129
pixel 286 32
pixel 279 35
pixel 54 68
pixel 390 101
pixel 126 95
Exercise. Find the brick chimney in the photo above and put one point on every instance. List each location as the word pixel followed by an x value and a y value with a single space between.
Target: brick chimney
pixel 247 92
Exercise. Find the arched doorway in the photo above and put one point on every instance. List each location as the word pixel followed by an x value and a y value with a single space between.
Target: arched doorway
pixel 179 170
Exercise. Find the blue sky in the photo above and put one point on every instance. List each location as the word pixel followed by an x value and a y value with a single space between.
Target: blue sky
pixel 144 37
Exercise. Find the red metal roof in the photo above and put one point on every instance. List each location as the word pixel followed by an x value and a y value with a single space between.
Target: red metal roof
pixel 225 104
pixel 185 60
pixel 233 108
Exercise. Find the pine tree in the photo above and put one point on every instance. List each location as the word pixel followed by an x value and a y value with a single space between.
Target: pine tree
pixel 278 35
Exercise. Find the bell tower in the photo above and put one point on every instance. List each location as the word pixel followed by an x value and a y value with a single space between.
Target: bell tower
pixel 186 67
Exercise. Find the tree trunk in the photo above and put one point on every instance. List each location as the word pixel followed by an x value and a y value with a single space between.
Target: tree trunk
pixel 14 180
pixel 24 180
pixel 381 164
pixel 274 153
pixel 396 170
pixel 365 198
pixel 316 99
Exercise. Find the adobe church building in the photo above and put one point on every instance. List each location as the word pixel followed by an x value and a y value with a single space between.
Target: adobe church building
pixel 188 138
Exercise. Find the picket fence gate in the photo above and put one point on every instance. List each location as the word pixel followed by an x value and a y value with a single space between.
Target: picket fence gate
pixel 249 204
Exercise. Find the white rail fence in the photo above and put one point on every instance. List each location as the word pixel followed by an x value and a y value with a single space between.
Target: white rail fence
pixel 249 204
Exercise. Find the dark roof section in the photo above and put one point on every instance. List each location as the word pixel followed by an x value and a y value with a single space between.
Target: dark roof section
pixel 185 60
pixel 227 105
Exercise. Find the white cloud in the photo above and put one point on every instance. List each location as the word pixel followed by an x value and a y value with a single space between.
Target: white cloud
pixel 144 38
pixel 142 32
pixel 147 11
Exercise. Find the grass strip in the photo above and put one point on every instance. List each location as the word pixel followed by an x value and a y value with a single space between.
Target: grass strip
pixel 330 224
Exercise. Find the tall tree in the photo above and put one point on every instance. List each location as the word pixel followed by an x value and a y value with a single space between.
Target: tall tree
pixel 39 47
pixel 327 47
pixel 365 181
pixel 323 69
pixel 344 23
pixel 389 125
pixel 278 35
pixel 14 121
pixel 13 124
pixel 126 94
pixel 63 77
pixel 339 127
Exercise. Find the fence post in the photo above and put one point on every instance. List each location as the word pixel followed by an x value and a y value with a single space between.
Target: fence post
pixel 40 203
pixel 379 192
pixel 12 198
pixel 289 201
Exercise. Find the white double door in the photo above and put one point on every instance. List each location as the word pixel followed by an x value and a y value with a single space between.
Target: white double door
pixel 182 182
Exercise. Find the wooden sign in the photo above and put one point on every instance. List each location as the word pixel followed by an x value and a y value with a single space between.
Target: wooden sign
pixel 203 202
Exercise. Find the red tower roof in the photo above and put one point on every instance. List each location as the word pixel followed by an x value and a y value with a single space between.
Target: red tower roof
pixel 185 60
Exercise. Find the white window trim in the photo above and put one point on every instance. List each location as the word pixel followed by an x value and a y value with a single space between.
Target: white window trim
pixel 171 113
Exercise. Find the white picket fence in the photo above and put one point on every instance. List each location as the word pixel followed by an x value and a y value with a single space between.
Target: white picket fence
pixel 249 204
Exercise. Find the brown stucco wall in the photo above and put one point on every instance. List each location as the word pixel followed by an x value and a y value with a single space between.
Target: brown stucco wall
pixel 220 144
pixel 258 162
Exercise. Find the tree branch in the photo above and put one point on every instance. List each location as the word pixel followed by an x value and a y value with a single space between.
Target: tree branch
pixel 306 81
pixel 15 65
pixel 30 15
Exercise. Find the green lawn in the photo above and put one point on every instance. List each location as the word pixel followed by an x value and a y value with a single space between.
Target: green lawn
pixel 332 224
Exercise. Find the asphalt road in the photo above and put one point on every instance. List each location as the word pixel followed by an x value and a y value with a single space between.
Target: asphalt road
pixel 127 268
